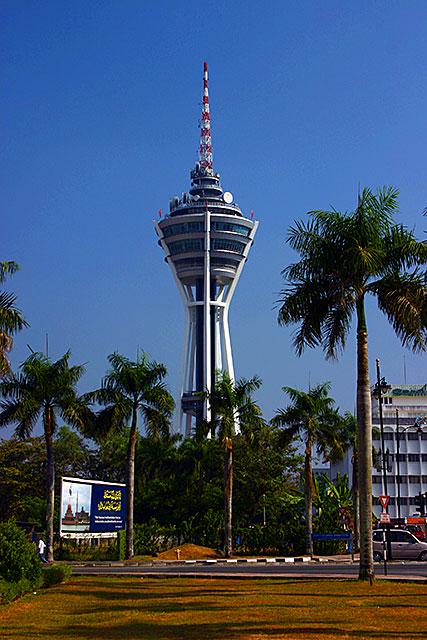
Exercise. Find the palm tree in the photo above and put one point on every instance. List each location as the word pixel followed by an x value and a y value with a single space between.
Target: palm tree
pixel 130 388
pixel 11 319
pixel 311 413
pixel 44 389
pixel 233 410
pixel 343 259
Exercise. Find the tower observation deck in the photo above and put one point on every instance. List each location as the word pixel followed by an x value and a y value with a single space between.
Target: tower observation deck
pixel 206 241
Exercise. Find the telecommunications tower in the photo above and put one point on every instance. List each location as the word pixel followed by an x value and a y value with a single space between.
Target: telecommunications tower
pixel 206 240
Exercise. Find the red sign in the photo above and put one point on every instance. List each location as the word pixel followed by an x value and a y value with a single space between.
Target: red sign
pixel 384 501
pixel 420 520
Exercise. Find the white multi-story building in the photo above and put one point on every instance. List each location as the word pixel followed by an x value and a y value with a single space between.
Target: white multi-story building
pixel 404 411
pixel 405 405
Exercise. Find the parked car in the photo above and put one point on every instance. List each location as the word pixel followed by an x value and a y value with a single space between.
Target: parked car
pixel 404 546
pixel 416 530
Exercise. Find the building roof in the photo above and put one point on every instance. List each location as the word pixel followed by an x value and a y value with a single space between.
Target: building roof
pixel 408 390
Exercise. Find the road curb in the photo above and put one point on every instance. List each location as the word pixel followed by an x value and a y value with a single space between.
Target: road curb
pixel 205 561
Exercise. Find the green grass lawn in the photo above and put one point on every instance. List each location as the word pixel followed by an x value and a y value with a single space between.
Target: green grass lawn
pixel 103 608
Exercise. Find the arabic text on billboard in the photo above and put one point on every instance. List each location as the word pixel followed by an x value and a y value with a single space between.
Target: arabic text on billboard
pixel 91 506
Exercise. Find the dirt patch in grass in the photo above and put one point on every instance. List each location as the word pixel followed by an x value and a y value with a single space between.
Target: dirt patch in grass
pixel 114 608
pixel 189 552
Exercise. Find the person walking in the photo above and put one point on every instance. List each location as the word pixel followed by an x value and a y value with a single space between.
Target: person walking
pixel 41 549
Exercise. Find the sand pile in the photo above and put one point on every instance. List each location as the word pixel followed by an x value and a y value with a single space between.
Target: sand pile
pixel 189 552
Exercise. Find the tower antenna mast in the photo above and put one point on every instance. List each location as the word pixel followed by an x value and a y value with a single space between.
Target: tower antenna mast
pixel 205 149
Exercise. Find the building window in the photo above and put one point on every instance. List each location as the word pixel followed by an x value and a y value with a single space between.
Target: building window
pixel 388 435
pixel 190 262
pixel 412 435
pixel 229 226
pixel 424 457
pixel 376 479
pixel 186 246
pixel 413 457
pixel 414 479
pixel 185 227
pixel 227 245
pixel 375 435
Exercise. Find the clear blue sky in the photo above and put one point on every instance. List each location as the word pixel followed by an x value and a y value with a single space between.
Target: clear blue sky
pixel 99 129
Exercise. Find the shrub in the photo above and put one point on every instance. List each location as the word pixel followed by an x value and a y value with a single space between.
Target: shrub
pixel 18 556
pixel 150 538
pixel 11 590
pixel 71 550
pixel 55 574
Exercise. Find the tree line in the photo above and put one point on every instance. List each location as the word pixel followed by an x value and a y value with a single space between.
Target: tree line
pixel 342 259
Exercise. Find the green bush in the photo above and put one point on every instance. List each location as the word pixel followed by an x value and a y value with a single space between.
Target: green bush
pixel 18 556
pixel 70 550
pixel 150 538
pixel 121 545
pixel 55 574
pixel 11 590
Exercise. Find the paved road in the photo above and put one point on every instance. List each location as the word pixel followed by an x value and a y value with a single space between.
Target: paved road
pixel 397 570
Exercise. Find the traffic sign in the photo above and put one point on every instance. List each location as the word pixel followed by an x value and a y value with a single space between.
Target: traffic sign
pixel 384 518
pixel 384 501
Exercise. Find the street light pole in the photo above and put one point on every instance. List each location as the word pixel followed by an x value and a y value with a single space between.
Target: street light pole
pixel 398 464
pixel 264 521
pixel 379 388
pixel 381 384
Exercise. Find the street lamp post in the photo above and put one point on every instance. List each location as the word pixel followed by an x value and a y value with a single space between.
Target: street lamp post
pixel 264 521
pixel 398 464
pixel 380 388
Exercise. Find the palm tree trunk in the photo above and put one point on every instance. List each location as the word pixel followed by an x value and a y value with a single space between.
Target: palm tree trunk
pixel 356 499
pixel 130 483
pixel 308 491
pixel 50 482
pixel 364 421
pixel 228 496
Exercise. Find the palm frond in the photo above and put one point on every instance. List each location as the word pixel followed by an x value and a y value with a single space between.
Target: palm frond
pixel 7 268
pixel 402 298
pixel 337 324
pixel 22 413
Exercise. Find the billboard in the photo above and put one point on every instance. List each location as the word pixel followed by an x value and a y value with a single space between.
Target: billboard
pixel 92 506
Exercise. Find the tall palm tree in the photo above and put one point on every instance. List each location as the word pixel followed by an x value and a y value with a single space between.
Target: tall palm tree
pixel 47 390
pixel 344 258
pixel 311 414
pixel 232 410
pixel 11 319
pixel 130 388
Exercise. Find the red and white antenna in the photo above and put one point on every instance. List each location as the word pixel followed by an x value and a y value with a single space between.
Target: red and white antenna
pixel 205 149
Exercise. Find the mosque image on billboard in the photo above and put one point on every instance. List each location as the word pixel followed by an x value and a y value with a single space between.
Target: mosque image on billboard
pixel 75 507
